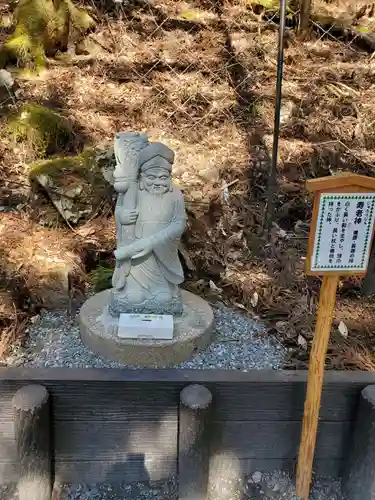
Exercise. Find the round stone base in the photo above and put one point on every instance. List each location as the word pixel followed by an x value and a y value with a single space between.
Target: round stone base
pixel 192 332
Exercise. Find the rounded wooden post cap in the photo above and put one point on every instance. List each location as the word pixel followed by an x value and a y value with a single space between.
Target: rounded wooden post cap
pixel 368 394
pixel 29 397
pixel 196 397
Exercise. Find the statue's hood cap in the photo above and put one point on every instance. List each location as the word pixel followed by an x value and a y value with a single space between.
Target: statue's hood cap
pixel 153 150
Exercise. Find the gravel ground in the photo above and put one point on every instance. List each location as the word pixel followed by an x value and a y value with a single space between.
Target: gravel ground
pixel 239 344
pixel 139 491
pixel 275 486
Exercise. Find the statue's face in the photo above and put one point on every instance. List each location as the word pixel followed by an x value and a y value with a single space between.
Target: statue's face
pixel 156 180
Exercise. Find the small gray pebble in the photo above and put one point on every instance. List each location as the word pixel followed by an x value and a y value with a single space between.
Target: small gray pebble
pixel 257 477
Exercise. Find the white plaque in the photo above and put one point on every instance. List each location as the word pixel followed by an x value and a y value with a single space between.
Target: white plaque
pixel 146 326
pixel 343 232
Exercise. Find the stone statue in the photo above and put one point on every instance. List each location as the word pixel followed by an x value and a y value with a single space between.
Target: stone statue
pixel 150 219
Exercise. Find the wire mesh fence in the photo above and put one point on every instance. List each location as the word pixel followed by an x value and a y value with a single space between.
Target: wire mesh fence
pixel 205 72
pixel 200 75
pixel 192 60
pixel 199 71
pixel 351 24
pixel 198 64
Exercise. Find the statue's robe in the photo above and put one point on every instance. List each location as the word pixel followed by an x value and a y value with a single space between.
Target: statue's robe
pixel 161 221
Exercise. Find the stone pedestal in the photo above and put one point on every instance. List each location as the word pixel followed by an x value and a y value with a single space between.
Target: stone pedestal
pixel 192 332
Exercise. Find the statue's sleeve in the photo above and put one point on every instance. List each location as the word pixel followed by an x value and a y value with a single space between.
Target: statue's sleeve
pixel 167 251
pixel 179 215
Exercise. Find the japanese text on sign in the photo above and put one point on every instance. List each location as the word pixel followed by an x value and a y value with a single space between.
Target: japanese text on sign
pixel 343 233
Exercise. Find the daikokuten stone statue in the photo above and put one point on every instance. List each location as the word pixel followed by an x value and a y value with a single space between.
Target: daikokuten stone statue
pixel 150 219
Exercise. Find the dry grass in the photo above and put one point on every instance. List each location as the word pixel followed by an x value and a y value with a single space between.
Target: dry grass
pixel 41 259
pixel 201 77
pixel 12 321
pixel 38 267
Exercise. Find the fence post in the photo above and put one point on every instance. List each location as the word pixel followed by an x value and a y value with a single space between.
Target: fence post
pixel 304 14
pixel 358 480
pixel 31 409
pixel 194 442
pixel 272 178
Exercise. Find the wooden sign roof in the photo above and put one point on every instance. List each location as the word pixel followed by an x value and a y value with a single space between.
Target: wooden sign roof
pixel 339 181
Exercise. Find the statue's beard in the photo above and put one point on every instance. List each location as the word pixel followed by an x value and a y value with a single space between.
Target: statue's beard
pixel 157 190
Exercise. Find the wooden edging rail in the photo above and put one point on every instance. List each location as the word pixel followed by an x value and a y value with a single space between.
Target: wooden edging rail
pixel 199 391
pixel 40 375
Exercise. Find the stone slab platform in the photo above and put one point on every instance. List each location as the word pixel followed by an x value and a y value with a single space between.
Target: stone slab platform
pixel 192 332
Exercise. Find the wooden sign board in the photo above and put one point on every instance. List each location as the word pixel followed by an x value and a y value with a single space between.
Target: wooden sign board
pixel 342 225
pixel 343 233
pixel 340 242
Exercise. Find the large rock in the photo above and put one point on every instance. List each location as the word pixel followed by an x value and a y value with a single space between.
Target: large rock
pixel 77 185
pixel 106 162
pixel 38 264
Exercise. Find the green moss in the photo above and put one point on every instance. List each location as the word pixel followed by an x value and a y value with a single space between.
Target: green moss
pixel 43 129
pixel 22 48
pixel 101 278
pixel 82 164
pixel 362 29
pixel 190 14
pixel 81 20
pixel 26 44
pixel 273 5
pixel 267 4
pixel 42 26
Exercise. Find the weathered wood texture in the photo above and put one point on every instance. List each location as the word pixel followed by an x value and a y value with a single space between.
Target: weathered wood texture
pixel 121 425
pixel 33 444
pixel 359 472
pixel 194 442
pixel 314 385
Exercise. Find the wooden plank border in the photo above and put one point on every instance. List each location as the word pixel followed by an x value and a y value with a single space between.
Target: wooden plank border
pixel 178 376
pixel 120 424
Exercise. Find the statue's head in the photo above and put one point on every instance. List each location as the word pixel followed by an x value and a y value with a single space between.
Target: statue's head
pixel 155 167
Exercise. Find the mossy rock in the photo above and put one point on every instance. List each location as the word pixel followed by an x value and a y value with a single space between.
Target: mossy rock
pixel 75 184
pixel 43 27
pixel 106 161
pixel 44 130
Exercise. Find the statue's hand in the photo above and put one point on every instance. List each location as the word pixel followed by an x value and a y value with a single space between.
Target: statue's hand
pixel 133 251
pixel 122 253
pixel 146 249
pixel 127 216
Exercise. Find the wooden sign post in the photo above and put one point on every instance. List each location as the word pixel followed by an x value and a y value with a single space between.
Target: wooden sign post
pixel 339 245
